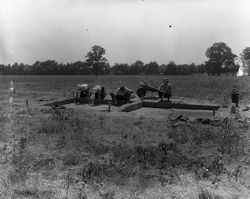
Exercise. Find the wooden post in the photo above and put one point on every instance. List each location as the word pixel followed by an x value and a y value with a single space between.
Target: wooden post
pixel 109 106
pixel 233 109
pixel 213 112
pixel 10 104
pixel 73 94
pixel 67 190
pixel 27 105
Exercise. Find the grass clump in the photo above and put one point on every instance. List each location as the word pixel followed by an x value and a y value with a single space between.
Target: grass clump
pixel 204 194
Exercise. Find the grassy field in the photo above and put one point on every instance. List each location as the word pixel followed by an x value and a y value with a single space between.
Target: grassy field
pixel 198 87
pixel 59 154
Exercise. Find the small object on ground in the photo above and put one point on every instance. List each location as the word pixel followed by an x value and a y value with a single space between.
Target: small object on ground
pixel 56 106
pixel 233 109
pixel 246 109
pixel 182 118
pixel 203 120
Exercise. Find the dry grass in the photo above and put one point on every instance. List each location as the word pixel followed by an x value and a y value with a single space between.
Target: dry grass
pixel 94 156
pixel 76 155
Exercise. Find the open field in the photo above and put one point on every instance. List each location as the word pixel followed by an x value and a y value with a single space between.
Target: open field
pixel 78 154
pixel 212 88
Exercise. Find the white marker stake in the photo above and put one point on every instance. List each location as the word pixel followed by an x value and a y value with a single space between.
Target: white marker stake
pixel 11 96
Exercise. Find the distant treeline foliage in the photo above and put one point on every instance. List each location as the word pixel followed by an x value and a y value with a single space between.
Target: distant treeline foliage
pixel 51 67
pixel 220 60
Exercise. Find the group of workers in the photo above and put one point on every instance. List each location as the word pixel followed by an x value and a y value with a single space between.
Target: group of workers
pixel 123 94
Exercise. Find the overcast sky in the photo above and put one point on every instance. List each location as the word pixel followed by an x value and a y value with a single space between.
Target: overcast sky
pixel 129 30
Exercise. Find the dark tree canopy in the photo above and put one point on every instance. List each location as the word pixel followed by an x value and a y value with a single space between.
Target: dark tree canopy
pixel 152 68
pixel 137 68
pixel 219 55
pixel 120 69
pixel 170 69
pixel 96 61
pixel 246 53
pixel 220 60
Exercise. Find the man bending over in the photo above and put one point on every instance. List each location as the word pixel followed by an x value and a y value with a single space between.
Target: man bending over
pixel 121 96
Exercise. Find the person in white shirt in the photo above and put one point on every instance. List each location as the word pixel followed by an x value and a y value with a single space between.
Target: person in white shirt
pixel 99 90
pixel 83 91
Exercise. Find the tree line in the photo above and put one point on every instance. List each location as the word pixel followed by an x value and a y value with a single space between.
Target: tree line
pixel 220 60
pixel 51 67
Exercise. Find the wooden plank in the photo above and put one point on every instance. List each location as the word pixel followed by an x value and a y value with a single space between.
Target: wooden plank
pixel 73 100
pixel 131 107
pixel 61 102
pixel 169 105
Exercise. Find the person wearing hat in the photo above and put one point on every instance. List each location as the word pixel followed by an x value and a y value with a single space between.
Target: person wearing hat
pixel 235 96
pixel 165 90
pixel 121 95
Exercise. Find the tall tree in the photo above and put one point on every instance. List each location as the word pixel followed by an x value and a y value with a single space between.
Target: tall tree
pixel 218 54
pixel 171 68
pixel 152 68
pixel 137 68
pixel 120 69
pixel 201 68
pixel 245 59
pixel 96 61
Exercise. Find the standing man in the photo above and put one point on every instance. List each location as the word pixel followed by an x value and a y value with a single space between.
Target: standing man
pixel 165 90
pixel 235 96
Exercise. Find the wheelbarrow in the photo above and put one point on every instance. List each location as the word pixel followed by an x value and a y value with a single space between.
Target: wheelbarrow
pixel 146 89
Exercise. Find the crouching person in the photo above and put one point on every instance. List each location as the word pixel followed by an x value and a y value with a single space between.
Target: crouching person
pixel 83 93
pixel 99 92
pixel 121 96
pixel 165 90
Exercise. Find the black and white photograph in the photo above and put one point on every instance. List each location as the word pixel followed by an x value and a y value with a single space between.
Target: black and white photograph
pixel 124 99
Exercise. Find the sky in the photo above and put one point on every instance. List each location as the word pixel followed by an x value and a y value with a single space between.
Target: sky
pixel 129 30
